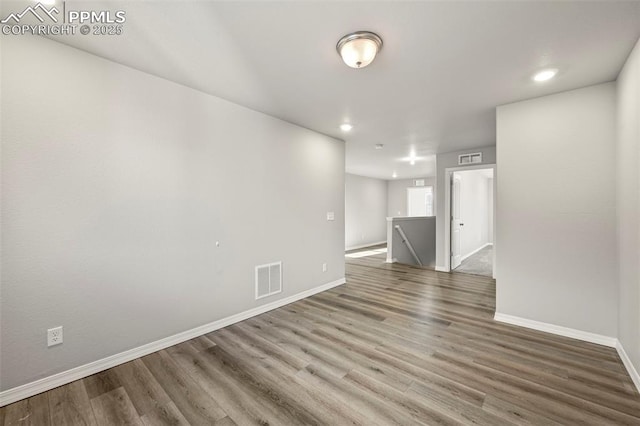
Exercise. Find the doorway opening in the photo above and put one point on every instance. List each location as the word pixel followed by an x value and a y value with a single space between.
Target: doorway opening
pixel 471 228
pixel 420 201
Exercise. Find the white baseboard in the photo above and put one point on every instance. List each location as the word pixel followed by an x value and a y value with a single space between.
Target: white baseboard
pixel 635 377
pixel 392 260
pixel 27 390
pixel 442 269
pixel 474 252
pixel 575 334
pixel 556 329
pixel 365 245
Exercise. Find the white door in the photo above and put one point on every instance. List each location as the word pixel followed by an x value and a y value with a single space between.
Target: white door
pixel 420 201
pixel 456 223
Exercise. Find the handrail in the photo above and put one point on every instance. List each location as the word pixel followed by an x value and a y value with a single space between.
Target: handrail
pixel 408 243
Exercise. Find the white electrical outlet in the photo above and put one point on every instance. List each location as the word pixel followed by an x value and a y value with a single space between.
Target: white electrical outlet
pixel 324 267
pixel 54 336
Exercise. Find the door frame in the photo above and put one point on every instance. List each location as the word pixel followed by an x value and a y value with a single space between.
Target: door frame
pixel 448 175
pixel 452 230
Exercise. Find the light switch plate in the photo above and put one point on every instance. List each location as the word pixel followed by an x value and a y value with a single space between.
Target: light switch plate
pixel 331 216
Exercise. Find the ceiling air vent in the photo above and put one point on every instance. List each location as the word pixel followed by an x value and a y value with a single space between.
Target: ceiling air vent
pixel 268 279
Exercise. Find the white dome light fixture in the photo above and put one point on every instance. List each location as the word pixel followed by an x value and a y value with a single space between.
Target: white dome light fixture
pixel 359 49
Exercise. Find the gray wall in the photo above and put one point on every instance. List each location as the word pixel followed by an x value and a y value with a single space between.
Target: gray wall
pixel 365 211
pixel 628 184
pixel 421 232
pixel 556 227
pixel 445 161
pixel 116 186
pixel 397 194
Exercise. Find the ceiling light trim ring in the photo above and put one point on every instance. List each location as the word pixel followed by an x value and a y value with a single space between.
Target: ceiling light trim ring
pixel 358 35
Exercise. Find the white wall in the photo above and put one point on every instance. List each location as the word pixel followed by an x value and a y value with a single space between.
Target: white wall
pixel 628 203
pixel 556 219
pixel 397 194
pixel 443 162
pixel 365 211
pixel 116 186
pixel 474 210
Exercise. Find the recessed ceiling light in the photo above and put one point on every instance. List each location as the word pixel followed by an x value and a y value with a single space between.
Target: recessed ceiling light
pixel 379 146
pixel 359 49
pixel 394 175
pixel 412 158
pixel 346 127
pixel 545 75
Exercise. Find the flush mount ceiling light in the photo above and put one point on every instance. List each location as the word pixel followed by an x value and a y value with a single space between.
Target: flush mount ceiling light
pixel 359 49
pixel 346 127
pixel 545 75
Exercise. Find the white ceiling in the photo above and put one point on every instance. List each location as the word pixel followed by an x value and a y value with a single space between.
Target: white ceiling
pixel 443 69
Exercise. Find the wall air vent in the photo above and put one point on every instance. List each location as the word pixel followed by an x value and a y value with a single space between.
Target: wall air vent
pixel 466 159
pixel 268 279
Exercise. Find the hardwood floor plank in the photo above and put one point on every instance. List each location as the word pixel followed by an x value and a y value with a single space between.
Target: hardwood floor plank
pixel 202 343
pixel 323 407
pixel 100 383
pixel 515 414
pixel 195 404
pixel 115 408
pixel 367 404
pixel 32 411
pixel 165 415
pixel 225 422
pixel 70 405
pixel 212 375
pixel 145 392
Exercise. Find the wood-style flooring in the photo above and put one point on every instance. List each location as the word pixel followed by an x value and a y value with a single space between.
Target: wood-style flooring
pixel 395 345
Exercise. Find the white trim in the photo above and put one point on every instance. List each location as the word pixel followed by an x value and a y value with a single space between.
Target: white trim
pixel 635 377
pixel 474 252
pixel 599 339
pixel 556 329
pixel 27 390
pixel 442 269
pixel 365 245
pixel 392 260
